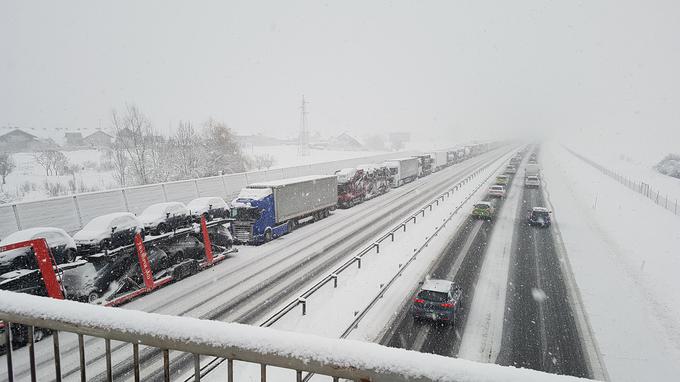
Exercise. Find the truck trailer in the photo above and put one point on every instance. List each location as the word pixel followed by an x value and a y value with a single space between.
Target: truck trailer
pixel 403 170
pixel 532 170
pixel 439 160
pixel 266 210
pixel 425 167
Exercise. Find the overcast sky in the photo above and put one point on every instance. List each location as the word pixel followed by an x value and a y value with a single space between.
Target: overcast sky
pixel 451 69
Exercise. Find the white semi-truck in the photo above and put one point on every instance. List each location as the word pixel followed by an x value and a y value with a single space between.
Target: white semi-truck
pixel 403 170
pixel 439 160
pixel 532 176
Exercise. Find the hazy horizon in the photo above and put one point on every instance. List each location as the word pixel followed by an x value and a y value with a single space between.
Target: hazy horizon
pixel 440 70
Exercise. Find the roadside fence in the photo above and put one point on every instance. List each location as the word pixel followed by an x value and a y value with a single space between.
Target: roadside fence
pixel 655 195
pixel 72 212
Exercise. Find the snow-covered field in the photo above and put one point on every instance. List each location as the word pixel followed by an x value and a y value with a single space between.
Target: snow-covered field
pixel 28 180
pixel 623 251
pixel 634 162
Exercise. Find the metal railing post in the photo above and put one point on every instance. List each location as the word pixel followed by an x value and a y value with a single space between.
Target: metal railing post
pixel 81 350
pixel 197 367
pixel 230 370
pixel 166 365
pixel 135 360
pixel 303 302
pixel 8 342
pixel 31 351
pixel 109 368
pixel 57 356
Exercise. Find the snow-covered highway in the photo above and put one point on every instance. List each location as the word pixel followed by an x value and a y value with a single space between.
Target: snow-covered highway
pixel 245 286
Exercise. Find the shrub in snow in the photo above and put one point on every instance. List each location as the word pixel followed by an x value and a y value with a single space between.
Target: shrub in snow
pixel 670 165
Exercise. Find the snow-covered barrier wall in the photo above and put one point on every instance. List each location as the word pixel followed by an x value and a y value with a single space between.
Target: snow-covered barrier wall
pixel 71 213
pixel 296 352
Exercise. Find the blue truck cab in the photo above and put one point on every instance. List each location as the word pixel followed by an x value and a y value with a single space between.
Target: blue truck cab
pixel 255 216
pixel 267 210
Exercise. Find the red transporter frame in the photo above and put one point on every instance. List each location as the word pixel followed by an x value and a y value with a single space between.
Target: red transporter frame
pixel 53 286
pixel 149 283
pixel 45 264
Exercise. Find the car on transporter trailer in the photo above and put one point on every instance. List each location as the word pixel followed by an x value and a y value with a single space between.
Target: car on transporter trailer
pixel 438 300
pixel 62 248
pixel 108 232
pixel 164 217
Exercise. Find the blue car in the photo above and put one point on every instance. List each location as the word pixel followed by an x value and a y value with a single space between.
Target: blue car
pixel 438 300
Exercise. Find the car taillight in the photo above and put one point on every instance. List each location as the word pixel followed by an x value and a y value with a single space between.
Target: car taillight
pixel 447 305
pixel 418 300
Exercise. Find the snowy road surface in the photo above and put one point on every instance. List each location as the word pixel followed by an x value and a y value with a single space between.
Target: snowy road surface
pixel 281 266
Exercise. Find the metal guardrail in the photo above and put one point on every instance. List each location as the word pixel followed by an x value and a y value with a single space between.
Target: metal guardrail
pixel 333 276
pixel 638 186
pixel 296 352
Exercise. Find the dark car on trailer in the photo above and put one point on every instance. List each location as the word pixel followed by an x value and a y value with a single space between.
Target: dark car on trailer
pixel 111 275
pixel 62 248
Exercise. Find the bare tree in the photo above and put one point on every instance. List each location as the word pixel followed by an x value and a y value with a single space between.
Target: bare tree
pixel 60 163
pixel 188 152
pixel 135 136
pixel 119 163
pixel 43 160
pixel 7 165
pixel 224 152
pixel 53 161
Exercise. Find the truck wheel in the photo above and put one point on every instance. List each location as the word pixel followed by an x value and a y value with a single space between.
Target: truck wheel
pixel 291 226
pixel 326 213
pixel 268 236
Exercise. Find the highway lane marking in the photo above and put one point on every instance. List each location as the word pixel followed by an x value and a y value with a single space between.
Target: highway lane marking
pixel 541 313
pixel 466 248
pixel 420 337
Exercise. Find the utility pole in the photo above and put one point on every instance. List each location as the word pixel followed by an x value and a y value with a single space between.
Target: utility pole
pixel 303 138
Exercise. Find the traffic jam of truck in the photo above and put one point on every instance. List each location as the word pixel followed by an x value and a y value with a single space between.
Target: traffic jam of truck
pixel 119 256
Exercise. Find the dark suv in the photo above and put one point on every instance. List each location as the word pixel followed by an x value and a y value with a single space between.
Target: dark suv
pixel 438 300
pixel 539 216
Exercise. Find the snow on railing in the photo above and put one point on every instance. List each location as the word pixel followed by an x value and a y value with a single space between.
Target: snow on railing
pixel 354 360
pixel 636 185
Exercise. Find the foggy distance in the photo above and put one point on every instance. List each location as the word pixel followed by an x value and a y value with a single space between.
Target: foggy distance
pixel 383 190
